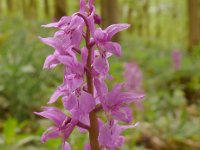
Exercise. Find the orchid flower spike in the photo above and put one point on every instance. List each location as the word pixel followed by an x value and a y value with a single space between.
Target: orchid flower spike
pixel 84 91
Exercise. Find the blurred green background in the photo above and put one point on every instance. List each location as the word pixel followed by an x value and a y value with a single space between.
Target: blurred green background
pixel 171 116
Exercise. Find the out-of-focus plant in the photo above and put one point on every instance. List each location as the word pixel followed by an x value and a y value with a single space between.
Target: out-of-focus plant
pixel 133 77
pixel 20 70
pixel 11 137
pixel 176 59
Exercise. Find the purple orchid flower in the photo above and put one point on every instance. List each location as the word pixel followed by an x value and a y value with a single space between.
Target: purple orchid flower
pixel 101 65
pixel 71 29
pixel 79 103
pixel 73 79
pixel 63 126
pixel 109 136
pixel 53 60
pixel 74 75
pixel 103 38
pixel 115 103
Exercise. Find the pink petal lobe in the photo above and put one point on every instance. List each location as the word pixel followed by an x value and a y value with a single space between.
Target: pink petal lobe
pixel 69 102
pixel 86 102
pixel 129 97
pixel 113 47
pixel 50 62
pixel 84 55
pixel 55 96
pixel 87 147
pixel 104 136
pixel 50 133
pixel 100 35
pixel 66 146
pixel 100 86
pixel 49 41
pixel 54 24
pixel 54 114
pixel 124 114
pixel 101 65
pixel 113 29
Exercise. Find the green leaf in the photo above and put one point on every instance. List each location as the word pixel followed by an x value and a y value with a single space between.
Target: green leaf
pixel 9 130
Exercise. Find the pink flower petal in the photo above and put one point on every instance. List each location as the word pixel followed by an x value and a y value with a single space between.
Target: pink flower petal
pixel 113 48
pixel 113 29
pixel 100 35
pixel 66 146
pixel 84 55
pixel 101 65
pixel 69 102
pixel 100 86
pixel 123 114
pixel 50 133
pixel 63 22
pixel 49 41
pixel 54 114
pixel 87 147
pixel 50 62
pixel 86 102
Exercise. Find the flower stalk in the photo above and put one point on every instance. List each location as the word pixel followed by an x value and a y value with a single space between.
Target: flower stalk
pixel 93 131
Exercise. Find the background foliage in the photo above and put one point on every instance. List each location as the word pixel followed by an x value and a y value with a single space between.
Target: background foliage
pixel 171 116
